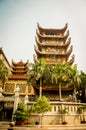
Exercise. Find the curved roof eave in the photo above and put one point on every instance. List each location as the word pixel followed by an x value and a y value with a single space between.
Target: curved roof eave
pixel 52 29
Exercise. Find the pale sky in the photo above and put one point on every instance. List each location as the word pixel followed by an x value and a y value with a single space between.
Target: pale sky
pixel 18 23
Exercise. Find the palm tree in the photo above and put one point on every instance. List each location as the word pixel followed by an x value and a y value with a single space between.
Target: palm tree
pixel 36 73
pixel 61 76
pixel 65 75
pixel 75 80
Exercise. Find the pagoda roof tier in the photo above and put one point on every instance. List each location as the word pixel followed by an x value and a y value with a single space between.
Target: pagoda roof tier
pixel 20 63
pixel 52 31
pixel 52 37
pixel 65 45
pixel 66 54
pixel 17 77
pixel 53 88
pixel 54 62
pixel 19 71
pixel 18 67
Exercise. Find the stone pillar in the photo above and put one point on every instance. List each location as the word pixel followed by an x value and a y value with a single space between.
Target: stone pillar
pixel 16 98
pixel 1 90
pixel 26 100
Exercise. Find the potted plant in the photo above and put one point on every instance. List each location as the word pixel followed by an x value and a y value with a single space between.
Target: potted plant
pixel 63 111
pixel 41 106
pixel 21 114
pixel 81 111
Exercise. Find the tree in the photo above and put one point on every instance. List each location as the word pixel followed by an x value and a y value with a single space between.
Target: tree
pixel 82 87
pixel 3 72
pixel 61 75
pixel 37 72
pixel 75 80
pixel 41 106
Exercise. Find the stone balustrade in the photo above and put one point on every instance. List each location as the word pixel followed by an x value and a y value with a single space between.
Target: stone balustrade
pixel 55 117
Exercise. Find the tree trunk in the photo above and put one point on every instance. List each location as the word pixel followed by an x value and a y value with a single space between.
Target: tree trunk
pixel 85 93
pixel 74 95
pixel 40 93
pixel 60 95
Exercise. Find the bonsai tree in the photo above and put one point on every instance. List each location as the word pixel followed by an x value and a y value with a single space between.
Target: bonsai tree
pixel 41 106
pixel 63 111
pixel 21 114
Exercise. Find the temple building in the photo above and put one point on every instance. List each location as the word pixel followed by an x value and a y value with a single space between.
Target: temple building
pixel 16 80
pixel 4 58
pixel 53 45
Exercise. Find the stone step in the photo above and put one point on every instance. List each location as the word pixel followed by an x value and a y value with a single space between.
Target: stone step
pixel 57 127
pixel 4 125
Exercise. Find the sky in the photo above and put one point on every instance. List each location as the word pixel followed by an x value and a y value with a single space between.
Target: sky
pixel 18 24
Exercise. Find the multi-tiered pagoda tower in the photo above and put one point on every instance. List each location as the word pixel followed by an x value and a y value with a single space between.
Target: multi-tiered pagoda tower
pixel 53 45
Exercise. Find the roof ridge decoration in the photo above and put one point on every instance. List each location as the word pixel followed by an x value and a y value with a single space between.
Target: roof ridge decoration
pixel 2 52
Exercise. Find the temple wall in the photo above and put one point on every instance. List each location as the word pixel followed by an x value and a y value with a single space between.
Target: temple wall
pixel 10 87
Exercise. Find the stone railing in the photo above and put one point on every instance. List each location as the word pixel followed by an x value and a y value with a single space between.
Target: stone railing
pixel 55 117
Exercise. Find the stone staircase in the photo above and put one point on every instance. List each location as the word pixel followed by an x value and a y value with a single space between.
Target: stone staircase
pixel 4 125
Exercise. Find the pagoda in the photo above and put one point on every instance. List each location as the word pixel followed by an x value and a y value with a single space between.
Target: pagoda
pixel 18 78
pixel 53 45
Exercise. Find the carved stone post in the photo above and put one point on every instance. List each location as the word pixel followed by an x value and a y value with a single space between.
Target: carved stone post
pixel 16 98
pixel 26 100
pixel 1 90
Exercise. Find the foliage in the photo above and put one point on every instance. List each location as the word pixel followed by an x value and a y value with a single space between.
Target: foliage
pixel 65 75
pixel 37 73
pixel 3 71
pixel 81 109
pixel 21 114
pixel 64 111
pixel 41 105
pixel 62 75
pixel 83 81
